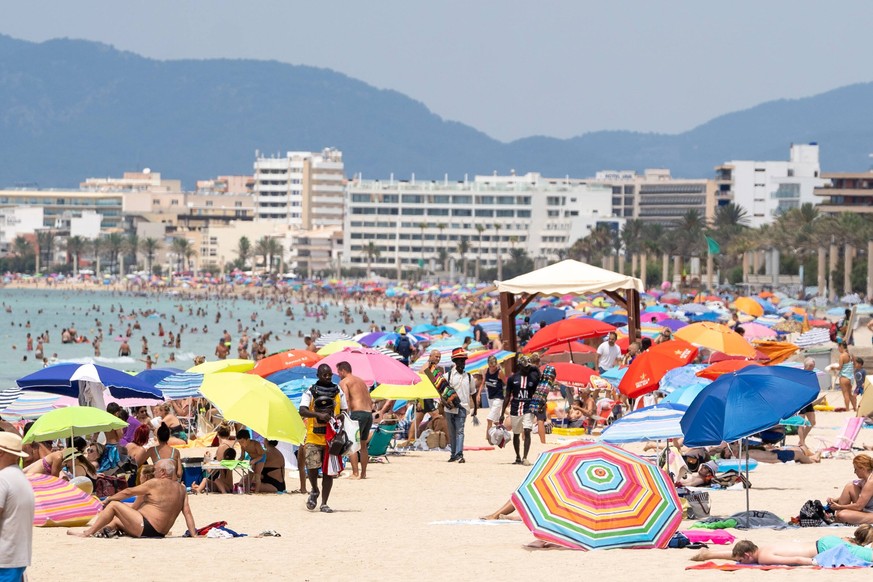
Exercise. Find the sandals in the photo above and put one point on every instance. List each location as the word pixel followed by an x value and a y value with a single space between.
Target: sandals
pixel 269 533
pixel 326 509
pixel 312 501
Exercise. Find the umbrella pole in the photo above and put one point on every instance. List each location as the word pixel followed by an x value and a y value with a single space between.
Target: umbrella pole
pixel 748 519
pixel 74 452
pixel 570 347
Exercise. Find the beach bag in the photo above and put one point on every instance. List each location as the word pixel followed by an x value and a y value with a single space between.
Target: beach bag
pixel 499 436
pixel 679 540
pixel 813 514
pixel 698 504
pixel 437 440
pixel 340 443
pixel 352 430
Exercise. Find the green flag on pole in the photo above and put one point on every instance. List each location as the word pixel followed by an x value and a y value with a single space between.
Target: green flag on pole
pixel 714 249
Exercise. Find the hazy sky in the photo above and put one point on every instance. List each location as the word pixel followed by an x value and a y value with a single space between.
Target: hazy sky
pixel 509 68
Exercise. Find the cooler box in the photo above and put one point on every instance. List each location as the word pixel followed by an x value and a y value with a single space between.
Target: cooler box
pixel 192 470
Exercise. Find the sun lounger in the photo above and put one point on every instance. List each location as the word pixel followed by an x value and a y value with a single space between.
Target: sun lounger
pixel 842 445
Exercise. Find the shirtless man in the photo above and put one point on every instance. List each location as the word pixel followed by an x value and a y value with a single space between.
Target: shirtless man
pixel 159 502
pixel 361 406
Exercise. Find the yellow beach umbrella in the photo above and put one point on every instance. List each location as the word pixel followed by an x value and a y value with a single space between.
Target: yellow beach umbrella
pixel 423 389
pixel 337 346
pixel 749 306
pixel 716 337
pixel 256 403
pixel 232 365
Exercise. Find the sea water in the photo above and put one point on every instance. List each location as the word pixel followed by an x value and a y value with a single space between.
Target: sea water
pixel 54 310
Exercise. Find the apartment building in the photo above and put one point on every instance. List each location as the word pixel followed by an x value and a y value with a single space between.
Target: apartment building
pixel 410 222
pixel 767 189
pixel 301 189
pixel 846 192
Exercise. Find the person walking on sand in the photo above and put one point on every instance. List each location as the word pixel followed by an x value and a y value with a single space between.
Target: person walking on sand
pixel 462 384
pixel 361 405
pixel 16 510
pixel 324 400
pixel 519 390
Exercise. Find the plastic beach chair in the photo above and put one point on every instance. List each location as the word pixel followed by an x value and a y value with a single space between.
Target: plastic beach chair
pixel 380 440
pixel 843 443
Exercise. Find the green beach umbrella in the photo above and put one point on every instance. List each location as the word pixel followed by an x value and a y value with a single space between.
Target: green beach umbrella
pixel 70 422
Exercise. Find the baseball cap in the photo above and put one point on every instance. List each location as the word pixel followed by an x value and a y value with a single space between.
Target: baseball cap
pixel 459 354
pixel 11 443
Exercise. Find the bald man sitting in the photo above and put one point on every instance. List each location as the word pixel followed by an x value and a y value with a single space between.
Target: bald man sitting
pixel 158 503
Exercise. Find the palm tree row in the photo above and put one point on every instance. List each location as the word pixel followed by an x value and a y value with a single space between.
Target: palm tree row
pixel 114 246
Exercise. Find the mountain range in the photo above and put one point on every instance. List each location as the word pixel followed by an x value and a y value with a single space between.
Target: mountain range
pixel 72 109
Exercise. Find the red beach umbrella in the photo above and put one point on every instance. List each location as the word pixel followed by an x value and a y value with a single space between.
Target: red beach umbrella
pixel 646 371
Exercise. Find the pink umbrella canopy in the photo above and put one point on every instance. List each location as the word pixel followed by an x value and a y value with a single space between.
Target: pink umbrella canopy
pixel 756 331
pixel 372 366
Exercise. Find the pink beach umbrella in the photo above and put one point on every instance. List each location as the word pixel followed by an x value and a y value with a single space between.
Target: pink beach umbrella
pixel 58 503
pixel 372 366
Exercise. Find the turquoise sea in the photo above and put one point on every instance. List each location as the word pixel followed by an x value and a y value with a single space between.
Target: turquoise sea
pixel 54 310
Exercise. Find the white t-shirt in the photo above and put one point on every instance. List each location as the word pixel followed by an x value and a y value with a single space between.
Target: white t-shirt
pixel 609 355
pixel 16 518
pixel 462 385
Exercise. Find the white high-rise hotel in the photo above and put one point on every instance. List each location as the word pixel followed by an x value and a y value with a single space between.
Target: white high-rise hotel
pixel 411 221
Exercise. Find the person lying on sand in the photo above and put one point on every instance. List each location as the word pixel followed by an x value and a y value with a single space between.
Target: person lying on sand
pixel 159 502
pixel 790 553
pixel 503 513
pixel 785 454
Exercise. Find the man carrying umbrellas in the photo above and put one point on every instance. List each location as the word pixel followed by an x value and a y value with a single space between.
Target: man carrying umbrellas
pixel 16 510
pixel 323 401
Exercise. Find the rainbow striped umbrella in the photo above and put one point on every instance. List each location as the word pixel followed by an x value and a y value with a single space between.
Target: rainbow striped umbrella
pixel 593 496
pixel 59 504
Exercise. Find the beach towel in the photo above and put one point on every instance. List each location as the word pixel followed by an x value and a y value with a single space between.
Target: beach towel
pixel 840 556
pixel 718 536
pixel 736 566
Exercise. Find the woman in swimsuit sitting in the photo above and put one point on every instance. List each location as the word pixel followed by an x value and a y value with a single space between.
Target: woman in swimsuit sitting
pixel 220 480
pixel 855 503
pixel 163 450
pixel 136 449
pixel 253 452
pixel 273 474
pixel 178 436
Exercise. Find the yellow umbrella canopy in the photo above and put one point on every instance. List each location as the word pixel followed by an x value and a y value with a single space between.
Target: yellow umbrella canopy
pixel 422 389
pixel 256 403
pixel 716 337
pixel 232 365
pixel 337 346
pixel 749 306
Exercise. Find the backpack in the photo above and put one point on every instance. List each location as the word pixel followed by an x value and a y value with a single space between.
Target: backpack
pixel 403 346
pixel 450 398
pixel 524 333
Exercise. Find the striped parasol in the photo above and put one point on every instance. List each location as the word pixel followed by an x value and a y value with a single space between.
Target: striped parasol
pixel 181 385
pixel 327 338
pixel 814 337
pixel 60 504
pixel 594 496
pixel 652 423
pixel 9 396
pixel 28 405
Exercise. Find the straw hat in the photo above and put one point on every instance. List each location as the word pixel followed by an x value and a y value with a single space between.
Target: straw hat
pixel 11 443
pixel 459 354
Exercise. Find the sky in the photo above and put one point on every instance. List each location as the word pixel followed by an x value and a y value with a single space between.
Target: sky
pixel 509 68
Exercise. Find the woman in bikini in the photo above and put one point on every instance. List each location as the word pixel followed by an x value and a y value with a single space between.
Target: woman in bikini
pixel 163 450
pixel 855 503
pixel 847 372
pixel 273 474
pixel 178 436
pixel 136 449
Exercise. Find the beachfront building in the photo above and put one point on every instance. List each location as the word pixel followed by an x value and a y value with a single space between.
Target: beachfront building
pixel 767 189
pixel 412 223
pixel 57 202
pixel 845 192
pixel 301 189
pixel 18 221
pixel 655 196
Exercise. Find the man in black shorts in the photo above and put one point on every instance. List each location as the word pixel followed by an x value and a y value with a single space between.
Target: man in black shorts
pixel 361 405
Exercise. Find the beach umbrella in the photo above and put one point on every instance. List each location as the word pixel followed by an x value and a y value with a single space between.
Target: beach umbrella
pixel 373 367
pixel 256 403
pixel 595 496
pixel 296 373
pixel 70 422
pixel 716 337
pixel 19 405
pixel 336 346
pixel 647 369
pixel 814 337
pixel 742 403
pixel 715 370
pixel 756 331
pixel 155 375
pixel 424 388
pixel 776 352
pixel 369 338
pixel 673 324
pixel 181 385
pixel 570 374
pixel 614 375
pixel 57 503
pixel 547 315
pixel 67 380
pixel 329 337
pixel 222 366
pixel 749 306
pixel 615 319
pixel 283 361
pixel 679 378
pixel 566 331
pixel 652 423
pixel 686 394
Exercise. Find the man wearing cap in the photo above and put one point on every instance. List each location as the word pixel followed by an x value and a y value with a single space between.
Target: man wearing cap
pixel 456 409
pixel 519 390
pixel 16 510
pixel 403 346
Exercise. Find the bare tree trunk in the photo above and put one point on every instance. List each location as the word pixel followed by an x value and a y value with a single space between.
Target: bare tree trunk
pixel 644 258
pixel 822 279
pixel 665 267
pixel 832 266
pixel 847 268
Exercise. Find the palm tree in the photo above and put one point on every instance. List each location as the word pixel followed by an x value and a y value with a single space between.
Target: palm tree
pixel 75 245
pixel 442 227
pixel 372 251
pixel 97 247
pixel 133 246
pixel 275 250
pixel 463 249
pixel 244 251
pixel 45 242
pixel 180 248
pixel 632 237
pixel 190 253
pixel 23 251
pixel 480 228
pixel 114 245
pixel 150 247
pixel 268 247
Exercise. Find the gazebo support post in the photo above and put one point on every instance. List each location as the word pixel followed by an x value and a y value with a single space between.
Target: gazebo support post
pixel 510 307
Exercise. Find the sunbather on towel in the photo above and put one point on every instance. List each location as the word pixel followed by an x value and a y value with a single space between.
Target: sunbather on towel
pixel 703 476
pixel 159 502
pixel 791 553
pixel 798 454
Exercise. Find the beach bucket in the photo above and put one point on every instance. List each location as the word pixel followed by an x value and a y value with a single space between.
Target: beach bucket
pixel 192 470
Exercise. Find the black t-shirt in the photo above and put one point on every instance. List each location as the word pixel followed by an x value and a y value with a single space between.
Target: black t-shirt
pixel 521 389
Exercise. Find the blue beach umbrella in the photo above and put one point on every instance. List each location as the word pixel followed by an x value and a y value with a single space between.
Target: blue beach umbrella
pixel 155 375
pixel 64 379
pixel 181 385
pixel 682 377
pixel 547 315
pixel 652 423
pixel 614 375
pixel 686 395
pixel 297 373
